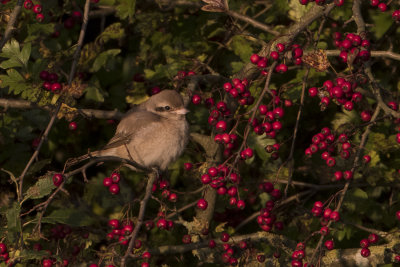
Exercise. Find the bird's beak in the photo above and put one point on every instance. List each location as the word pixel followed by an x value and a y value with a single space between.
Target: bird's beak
pixel 181 111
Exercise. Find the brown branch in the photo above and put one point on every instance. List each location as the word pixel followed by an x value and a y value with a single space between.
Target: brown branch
pixel 11 22
pixel 378 53
pixel 90 113
pixel 152 177
pixel 296 128
pixel 278 241
pixel 252 22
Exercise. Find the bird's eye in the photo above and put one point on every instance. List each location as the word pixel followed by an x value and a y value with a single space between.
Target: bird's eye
pixel 167 107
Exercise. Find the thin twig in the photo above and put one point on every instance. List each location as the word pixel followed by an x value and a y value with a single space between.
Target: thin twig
pixel 296 129
pixel 152 177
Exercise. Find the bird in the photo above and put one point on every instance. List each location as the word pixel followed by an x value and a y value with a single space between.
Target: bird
pixel 153 134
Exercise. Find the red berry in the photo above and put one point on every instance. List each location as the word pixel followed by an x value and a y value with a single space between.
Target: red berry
pixel 324 230
pixel 334 216
pixel 393 105
pixel 146 255
pixel 398 215
pixel 3 248
pixel 196 99
pixel 211 243
pixel 331 162
pixel 77 15
pixel 260 258
pixel 202 204
pixel 254 58
pixel 107 182
pixel 383 8
pixel 55 87
pixel 364 243
pixel 373 238
pixel 114 189
pixel 367 158
pixel 72 126
pixel 57 179
pixel 47 263
pixel 281 68
pixel 186 239
pixel 241 204
pixel 114 223
pixel 221 126
pixel 225 237
pixel 28 4
pixel 339 2
pixel 187 166
pixel 37 9
pixel 274 55
pixel 329 244
pixel 338 175
pixel 365 252
pixel 313 91
pixel 39 17
pixel 115 177
pixel 366 115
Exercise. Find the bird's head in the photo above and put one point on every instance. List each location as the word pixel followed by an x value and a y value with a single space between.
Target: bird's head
pixel 167 103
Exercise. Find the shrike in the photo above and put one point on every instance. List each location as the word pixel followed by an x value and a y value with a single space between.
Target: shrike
pixel 152 134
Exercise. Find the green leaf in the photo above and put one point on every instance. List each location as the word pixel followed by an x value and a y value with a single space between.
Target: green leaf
pixel 342 119
pixel 71 217
pixel 41 188
pixel 113 32
pixel 103 57
pixel 126 9
pixel 25 53
pixel 93 93
pixel 16 57
pixel 359 193
pixel 242 48
pixel 37 166
pixel 14 81
pixel 13 222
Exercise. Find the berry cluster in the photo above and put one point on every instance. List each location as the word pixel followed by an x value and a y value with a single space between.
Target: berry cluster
pixel 352 45
pixel 326 214
pixel 75 17
pixel 238 90
pixel 340 91
pixel 37 9
pixel 224 183
pixel 298 255
pixel 364 244
pixel 266 220
pixel 4 253
pixel 278 55
pixel 165 193
pixel 326 142
pixel 112 183
pixel 382 6
pixel 50 81
pixel 121 231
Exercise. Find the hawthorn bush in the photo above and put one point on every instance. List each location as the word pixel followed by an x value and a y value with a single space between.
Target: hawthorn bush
pixel 295 130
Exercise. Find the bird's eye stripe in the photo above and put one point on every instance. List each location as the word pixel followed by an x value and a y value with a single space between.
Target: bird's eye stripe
pixel 161 109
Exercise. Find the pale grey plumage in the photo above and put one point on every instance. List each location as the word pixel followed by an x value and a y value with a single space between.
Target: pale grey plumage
pixel 153 134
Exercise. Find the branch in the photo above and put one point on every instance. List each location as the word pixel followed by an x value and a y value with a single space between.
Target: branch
pixel 152 177
pixel 10 25
pixel 90 113
pixel 252 22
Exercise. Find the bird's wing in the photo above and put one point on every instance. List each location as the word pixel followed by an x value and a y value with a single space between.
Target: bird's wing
pixel 130 125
